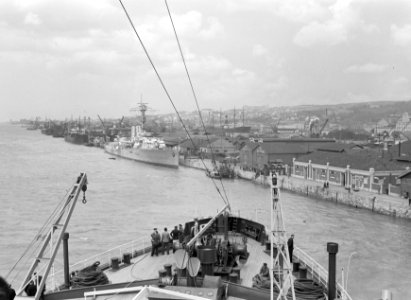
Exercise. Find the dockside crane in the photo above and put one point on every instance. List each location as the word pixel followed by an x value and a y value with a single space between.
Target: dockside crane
pixel 322 127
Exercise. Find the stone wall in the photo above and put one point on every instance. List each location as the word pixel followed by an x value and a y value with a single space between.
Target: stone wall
pixel 384 204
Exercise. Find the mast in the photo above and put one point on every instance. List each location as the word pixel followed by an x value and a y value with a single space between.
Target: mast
pixel 234 118
pixel 243 115
pixel 142 108
pixel 278 240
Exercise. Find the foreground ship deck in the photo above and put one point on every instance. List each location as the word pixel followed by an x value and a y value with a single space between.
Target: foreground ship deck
pixel 216 258
pixel 128 277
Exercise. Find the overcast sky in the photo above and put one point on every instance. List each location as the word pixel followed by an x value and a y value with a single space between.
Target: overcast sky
pixel 63 58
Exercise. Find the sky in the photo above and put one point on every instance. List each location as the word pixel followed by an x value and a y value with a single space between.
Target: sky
pixel 71 58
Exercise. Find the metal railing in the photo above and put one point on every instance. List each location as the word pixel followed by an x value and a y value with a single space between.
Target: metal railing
pixel 135 248
pixel 318 272
pixel 118 251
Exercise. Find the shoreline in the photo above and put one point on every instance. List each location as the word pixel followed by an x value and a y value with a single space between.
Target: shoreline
pixel 379 203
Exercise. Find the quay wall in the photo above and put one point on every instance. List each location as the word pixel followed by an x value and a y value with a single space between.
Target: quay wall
pixel 380 203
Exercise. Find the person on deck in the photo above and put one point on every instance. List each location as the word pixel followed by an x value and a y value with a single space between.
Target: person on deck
pixel 175 235
pixel 194 231
pixel 181 236
pixel 264 271
pixel 165 240
pixel 290 244
pixel 155 242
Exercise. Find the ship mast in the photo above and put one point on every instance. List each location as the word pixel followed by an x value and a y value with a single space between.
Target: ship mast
pixel 280 259
pixel 142 107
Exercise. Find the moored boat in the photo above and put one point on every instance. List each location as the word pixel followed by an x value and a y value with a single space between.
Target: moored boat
pixel 143 147
pixel 146 151
pixel 74 137
pixel 213 174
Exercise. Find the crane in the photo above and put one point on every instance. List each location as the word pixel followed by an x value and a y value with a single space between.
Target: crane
pixel 322 127
pixel 102 122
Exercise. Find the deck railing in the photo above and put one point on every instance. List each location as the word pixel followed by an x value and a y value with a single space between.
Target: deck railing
pixel 140 246
pixel 318 272
pixel 118 251
pixel 135 248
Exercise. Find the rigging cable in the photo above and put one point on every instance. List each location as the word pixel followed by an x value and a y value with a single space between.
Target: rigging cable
pixel 166 91
pixel 194 95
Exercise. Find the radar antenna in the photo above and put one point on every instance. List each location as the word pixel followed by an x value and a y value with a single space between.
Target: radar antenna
pixel 281 275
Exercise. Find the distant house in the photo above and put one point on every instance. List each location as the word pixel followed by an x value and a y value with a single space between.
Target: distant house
pixel 220 146
pixel 382 127
pixel 270 152
pixel 263 152
pixel 196 145
pixel 248 155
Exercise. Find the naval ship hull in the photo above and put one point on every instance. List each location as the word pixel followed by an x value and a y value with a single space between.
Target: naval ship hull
pixel 167 157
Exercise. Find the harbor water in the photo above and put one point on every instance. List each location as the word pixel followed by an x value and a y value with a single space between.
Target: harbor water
pixel 126 199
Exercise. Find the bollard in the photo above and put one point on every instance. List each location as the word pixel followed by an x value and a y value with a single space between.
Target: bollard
pixel 296 265
pixel 303 273
pixel 115 263
pixel 127 258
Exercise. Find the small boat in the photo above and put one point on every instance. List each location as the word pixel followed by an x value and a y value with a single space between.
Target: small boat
pixel 213 174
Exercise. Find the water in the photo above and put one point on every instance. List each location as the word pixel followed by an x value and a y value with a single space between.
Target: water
pixel 127 199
